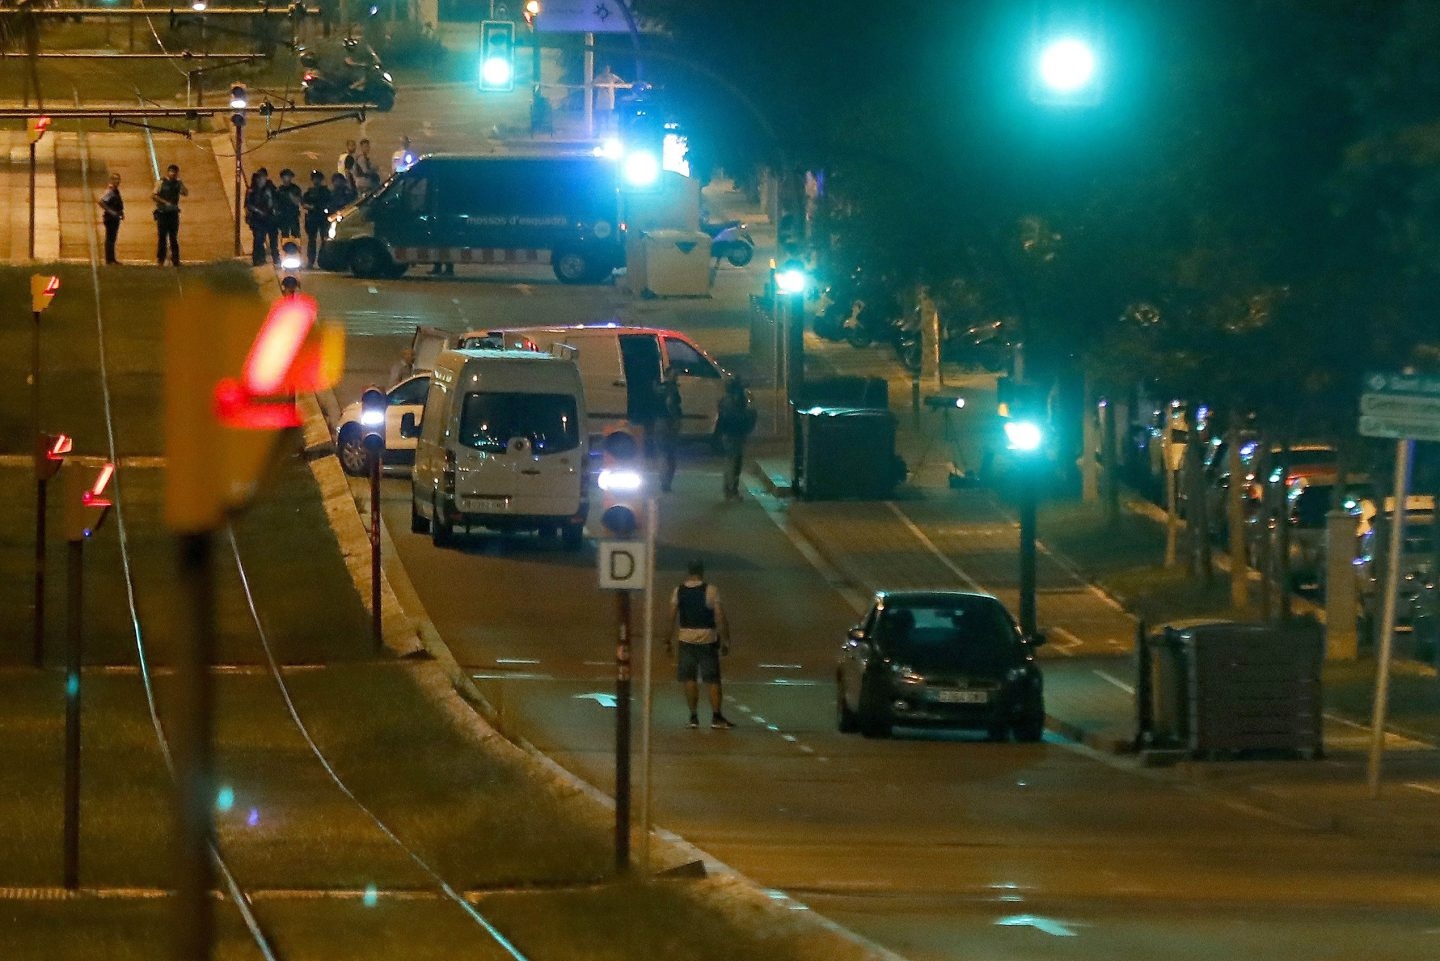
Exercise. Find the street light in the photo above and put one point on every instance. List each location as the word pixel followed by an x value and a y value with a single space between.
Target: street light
pixel 1066 72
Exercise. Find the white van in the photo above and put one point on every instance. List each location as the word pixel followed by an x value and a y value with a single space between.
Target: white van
pixel 620 365
pixel 501 445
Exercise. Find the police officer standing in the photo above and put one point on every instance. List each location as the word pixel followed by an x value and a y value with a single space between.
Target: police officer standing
pixel 167 196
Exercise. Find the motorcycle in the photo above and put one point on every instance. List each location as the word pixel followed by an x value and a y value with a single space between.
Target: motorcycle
pixel 987 346
pixel 851 310
pixel 730 239
pixel 359 77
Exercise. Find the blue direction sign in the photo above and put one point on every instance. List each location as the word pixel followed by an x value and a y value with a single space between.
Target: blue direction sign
pixel 1401 406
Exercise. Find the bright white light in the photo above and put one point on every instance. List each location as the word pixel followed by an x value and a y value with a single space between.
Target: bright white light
pixel 791 280
pixel 291 262
pixel 496 72
pixel 386 75
pixel 237 103
pixel 610 147
pixel 620 480
pixel 1067 65
pixel 641 168
pixel 372 417
pixel 1023 435
pixel 198 6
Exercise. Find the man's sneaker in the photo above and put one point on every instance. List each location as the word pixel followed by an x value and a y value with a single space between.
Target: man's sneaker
pixel 721 723
pixel 694 722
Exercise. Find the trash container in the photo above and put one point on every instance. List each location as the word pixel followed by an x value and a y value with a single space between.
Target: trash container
pixel 845 391
pixel 845 452
pixel 635 273
pixel 1225 688
pixel 677 263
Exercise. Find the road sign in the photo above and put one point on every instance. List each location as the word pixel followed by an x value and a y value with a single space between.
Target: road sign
pixel 582 16
pixel 1400 406
pixel 622 565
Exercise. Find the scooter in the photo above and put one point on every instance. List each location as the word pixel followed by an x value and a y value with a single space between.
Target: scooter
pixel 731 240
pixel 365 83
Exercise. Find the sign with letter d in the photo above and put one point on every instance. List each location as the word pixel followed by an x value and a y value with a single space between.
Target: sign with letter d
pixel 622 565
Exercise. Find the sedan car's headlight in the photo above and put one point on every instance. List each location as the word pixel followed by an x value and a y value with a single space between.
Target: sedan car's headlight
pixel 906 675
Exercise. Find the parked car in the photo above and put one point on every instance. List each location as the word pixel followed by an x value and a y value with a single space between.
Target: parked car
pixel 1416 586
pixel 940 659
pixel 1308 501
pixel 406 397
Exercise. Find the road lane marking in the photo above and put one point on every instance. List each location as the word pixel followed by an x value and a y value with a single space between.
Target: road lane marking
pixel 1427 788
pixel 517 660
pixel 1067 648
pixel 1045 925
pixel 920 535
pixel 603 698
pixel 1113 680
pixel 597 663
pixel 1392 739
pixel 781 667
pixel 511 676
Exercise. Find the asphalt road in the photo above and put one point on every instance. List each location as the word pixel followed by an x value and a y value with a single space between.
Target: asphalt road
pixel 935 846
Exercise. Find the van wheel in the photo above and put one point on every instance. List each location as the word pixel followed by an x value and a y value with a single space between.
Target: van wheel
pixel 441 533
pixel 369 260
pixel 572 536
pixel 418 524
pixel 572 266
pixel 350 449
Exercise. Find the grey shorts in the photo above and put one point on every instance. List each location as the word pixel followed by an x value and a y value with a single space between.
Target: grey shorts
pixel 701 659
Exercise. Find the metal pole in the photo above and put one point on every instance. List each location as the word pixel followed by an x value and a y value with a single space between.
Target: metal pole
pixel 31 247
pixel 589 112
pixel 239 121
pixel 622 732
pixel 1028 496
pixel 39 638
pixel 795 357
pixel 652 520
pixel 194 917
pixel 1404 451
pixel 75 608
pixel 375 625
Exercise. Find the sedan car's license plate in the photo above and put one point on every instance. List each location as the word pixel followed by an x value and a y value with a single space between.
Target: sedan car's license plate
pixel 961 697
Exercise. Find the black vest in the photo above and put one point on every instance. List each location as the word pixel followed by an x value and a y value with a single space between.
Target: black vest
pixel 691 607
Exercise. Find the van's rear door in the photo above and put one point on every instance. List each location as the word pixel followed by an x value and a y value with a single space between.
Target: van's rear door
pixel 427 344
pixel 519 453
pixel 640 358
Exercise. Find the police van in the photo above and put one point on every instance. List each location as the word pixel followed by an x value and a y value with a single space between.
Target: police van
pixel 450 209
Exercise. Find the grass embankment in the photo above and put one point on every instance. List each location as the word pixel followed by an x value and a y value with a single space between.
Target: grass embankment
pixel 472 806
pixel 1126 560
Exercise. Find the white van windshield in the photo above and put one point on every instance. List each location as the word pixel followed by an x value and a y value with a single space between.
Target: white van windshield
pixel 490 420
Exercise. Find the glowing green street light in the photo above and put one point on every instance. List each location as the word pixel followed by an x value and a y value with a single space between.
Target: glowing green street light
pixel 1067 65
pixel 791 279
pixel 1023 435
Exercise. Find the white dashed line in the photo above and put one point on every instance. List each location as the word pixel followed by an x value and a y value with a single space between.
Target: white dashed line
pixel 1070 641
pixel 1427 788
pixel 517 660
pixel 1113 680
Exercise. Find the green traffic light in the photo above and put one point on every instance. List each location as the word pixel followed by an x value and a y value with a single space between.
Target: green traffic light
pixel 1067 65
pixel 1024 435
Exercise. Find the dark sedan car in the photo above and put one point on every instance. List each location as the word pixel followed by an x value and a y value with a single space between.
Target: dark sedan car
pixel 940 659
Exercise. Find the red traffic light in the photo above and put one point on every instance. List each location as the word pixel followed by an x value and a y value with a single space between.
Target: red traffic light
pixel 85 510
pixel 50 451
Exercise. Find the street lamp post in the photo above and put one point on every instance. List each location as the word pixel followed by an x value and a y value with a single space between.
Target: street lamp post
pixel 1025 438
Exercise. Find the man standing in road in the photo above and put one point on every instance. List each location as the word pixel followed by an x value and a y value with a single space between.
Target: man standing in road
pixel 112 207
pixel 167 214
pixel 699 625
pixel 367 175
pixel 734 421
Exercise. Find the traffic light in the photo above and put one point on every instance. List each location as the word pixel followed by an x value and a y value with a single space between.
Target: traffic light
pixel 1023 405
pixel 35 128
pixel 643 147
pixel 230 386
pixel 86 505
pixel 622 480
pixel 532 10
pixel 791 278
pixel 50 451
pixel 373 403
pixel 290 256
pixel 239 98
pixel 497 55
pixel 43 288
